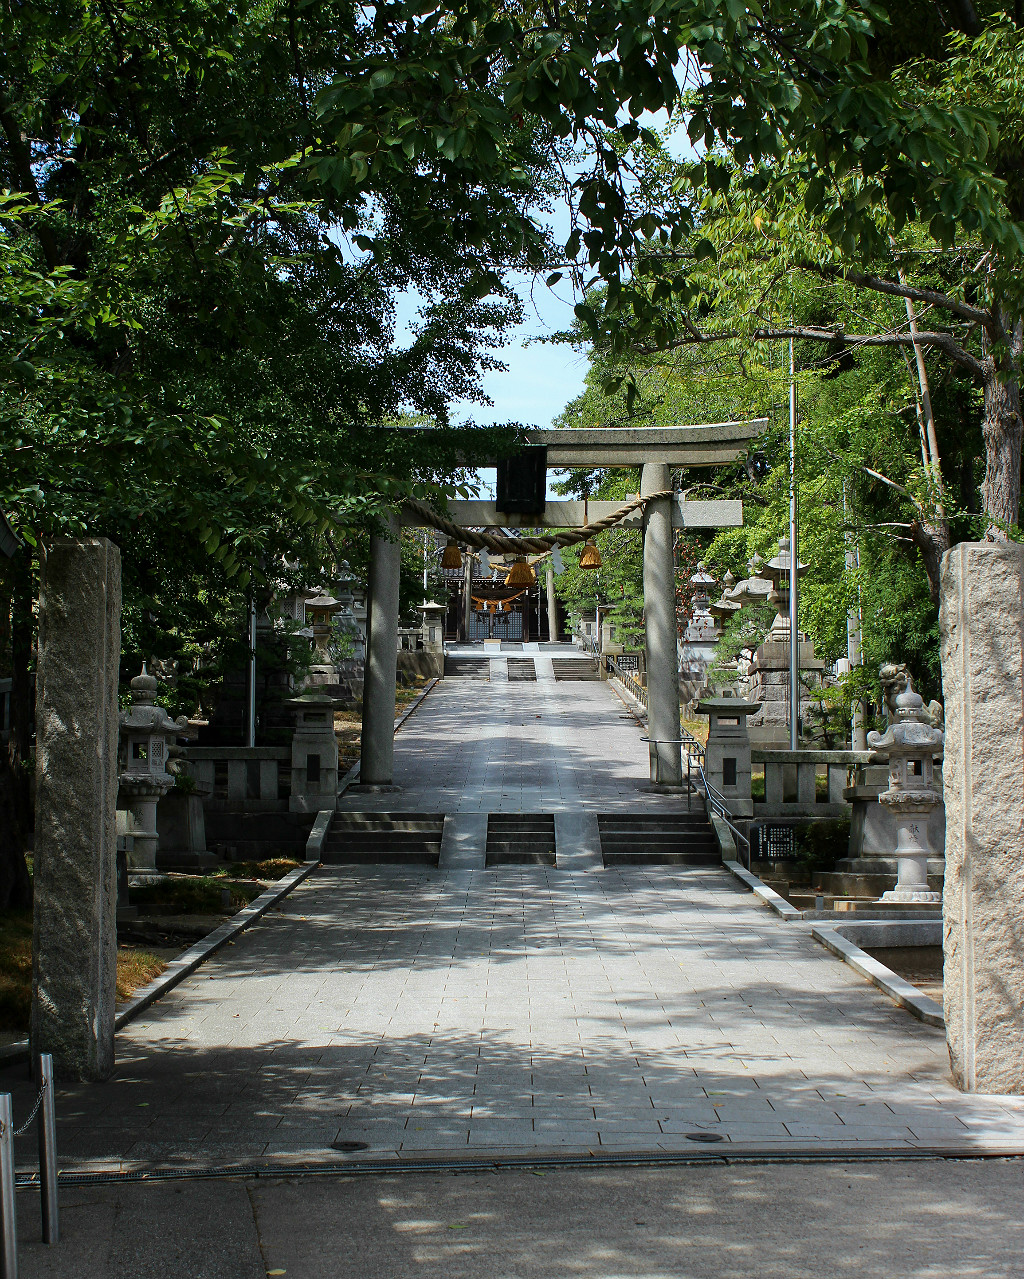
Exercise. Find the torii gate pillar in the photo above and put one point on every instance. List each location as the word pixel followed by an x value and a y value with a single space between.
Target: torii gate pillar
pixel 377 746
pixel 660 616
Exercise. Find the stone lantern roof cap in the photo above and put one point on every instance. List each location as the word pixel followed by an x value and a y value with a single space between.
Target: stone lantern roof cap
pixel 778 567
pixel 701 577
pixel 323 601
pixel 144 688
pixel 726 705
pixel 431 605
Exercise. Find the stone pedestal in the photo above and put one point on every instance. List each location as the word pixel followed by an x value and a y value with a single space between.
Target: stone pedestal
pixel 727 754
pixel 982 628
pixel 314 754
pixel 75 940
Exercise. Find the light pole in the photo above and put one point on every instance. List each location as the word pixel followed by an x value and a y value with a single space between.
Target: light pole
pixel 794 634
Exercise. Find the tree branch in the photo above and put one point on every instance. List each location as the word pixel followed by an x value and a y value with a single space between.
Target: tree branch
pixel 896 288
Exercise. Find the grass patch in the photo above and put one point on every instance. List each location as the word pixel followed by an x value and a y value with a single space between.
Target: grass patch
pixel 269 869
pixel 196 895
pixel 15 969
pixel 135 968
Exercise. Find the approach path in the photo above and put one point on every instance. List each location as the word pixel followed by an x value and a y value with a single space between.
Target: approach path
pixel 518 1009
pixel 494 745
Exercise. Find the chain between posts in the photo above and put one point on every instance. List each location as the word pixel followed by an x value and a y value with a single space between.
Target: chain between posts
pixel 35 1111
pixel 502 545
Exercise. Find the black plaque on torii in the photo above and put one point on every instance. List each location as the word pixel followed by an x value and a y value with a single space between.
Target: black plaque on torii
pixel 523 482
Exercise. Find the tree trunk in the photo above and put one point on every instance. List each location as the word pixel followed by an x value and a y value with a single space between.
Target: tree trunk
pixel 932 541
pixel 1002 429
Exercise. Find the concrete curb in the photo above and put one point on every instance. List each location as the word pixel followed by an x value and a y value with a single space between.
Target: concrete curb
pixel 318 834
pixel 446 1161
pixel 767 896
pixel 899 990
pixel 190 960
pixel 352 776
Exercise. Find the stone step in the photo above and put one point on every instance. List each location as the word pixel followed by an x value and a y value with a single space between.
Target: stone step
pixel 384 839
pixel 353 857
pixel 381 820
pixel 696 857
pixel 669 839
pixel 523 838
pixel 520 857
pixel 467 668
pixel 575 668
pixel 522 668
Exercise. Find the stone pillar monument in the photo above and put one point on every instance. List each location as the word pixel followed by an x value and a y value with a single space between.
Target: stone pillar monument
pixel 74 934
pixel 660 612
pixel 377 750
pixel 982 626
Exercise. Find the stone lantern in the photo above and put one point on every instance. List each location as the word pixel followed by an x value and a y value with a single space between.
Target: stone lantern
pixel 433 626
pixel 911 742
pixel 147 732
pixel 320 611
pixel 727 754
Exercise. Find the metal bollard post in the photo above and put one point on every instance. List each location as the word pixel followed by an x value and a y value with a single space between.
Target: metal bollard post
pixel 48 1152
pixel 8 1210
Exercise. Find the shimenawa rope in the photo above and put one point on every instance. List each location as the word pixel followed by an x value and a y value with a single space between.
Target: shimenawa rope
pixel 501 545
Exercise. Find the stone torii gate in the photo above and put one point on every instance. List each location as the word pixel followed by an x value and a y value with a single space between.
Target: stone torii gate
pixel 656 450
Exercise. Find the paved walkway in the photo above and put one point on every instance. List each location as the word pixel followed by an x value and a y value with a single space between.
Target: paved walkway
pixel 520 1010
pixel 856 1220
pixel 475 746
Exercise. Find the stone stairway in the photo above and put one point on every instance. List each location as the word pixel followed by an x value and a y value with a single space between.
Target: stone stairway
pixel 575 668
pixel 517 838
pixel 522 668
pixel 651 839
pixel 384 839
pixel 466 668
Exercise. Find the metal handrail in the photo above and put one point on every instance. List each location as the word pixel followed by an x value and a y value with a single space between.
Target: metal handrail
pixel 632 685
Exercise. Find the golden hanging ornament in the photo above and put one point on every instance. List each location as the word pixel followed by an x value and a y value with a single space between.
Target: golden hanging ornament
pixel 591 556
pixel 520 574
pixel 452 557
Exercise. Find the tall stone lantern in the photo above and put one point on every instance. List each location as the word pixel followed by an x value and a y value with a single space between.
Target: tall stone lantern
pixel 433 626
pixel 320 611
pixel 147 732
pixel 911 742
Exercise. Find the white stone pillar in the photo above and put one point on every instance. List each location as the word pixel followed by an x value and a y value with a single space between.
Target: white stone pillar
pixel 467 597
pixel 75 938
pixel 982 628
pixel 552 602
pixel 660 614
pixel 377 748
